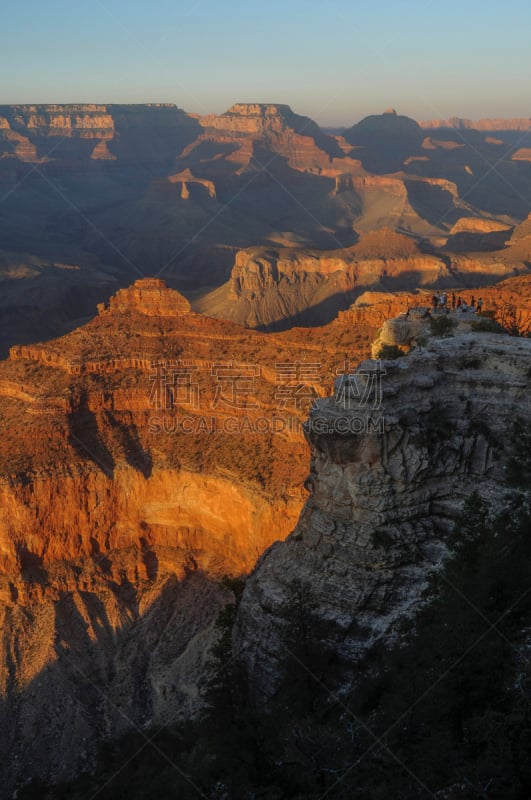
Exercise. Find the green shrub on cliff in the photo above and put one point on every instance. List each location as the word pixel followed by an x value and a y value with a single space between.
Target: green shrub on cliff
pixel 442 326
pixel 389 352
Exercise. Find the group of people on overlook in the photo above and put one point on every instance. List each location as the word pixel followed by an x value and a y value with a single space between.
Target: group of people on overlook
pixel 439 302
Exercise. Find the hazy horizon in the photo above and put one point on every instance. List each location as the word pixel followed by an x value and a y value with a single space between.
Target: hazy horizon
pixel 336 64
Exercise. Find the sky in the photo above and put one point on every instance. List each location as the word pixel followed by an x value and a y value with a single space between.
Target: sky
pixel 334 60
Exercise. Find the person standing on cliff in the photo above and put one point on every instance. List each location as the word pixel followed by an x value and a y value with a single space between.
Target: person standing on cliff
pixel 434 302
pixel 453 301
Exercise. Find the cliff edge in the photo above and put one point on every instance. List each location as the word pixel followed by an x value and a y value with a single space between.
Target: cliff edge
pixel 395 453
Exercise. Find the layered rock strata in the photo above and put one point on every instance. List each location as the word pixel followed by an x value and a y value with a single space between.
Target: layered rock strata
pixel 133 478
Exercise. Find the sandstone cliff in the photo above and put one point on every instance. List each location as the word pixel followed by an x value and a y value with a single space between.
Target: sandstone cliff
pixel 118 524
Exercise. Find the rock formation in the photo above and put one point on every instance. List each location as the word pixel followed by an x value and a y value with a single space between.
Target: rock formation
pixel 181 183
pixel 403 332
pixel 297 138
pixel 86 131
pixel 479 225
pixel 258 119
pixel 149 296
pixel 394 455
pixel 472 234
pixel 280 286
pixel 132 481
pixel 276 287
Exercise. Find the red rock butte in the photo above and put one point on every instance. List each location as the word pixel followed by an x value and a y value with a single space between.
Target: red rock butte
pixel 148 296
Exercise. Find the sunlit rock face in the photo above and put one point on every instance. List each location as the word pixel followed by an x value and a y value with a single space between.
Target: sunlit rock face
pixel 279 286
pixel 126 497
pixel 148 296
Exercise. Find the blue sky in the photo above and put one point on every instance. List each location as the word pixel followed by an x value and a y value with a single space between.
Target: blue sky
pixel 336 61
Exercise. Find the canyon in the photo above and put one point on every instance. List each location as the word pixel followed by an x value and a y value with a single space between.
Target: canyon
pixel 95 196
pixel 120 529
pixel 199 419
pixel 122 534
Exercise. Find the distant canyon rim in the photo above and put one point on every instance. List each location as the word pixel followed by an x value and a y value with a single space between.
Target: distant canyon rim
pixel 257 214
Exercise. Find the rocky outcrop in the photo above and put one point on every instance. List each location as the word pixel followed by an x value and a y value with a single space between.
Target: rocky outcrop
pixel 148 296
pixel 479 225
pixel 258 119
pixel 394 455
pixel 299 139
pixel 180 185
pixel 474 234
pixel 522 154
pixel 403 332
pixel 101 152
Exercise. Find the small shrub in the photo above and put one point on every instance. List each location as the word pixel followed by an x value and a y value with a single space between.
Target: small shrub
pixel 486 324
pixel 389 352
pixel 442 326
